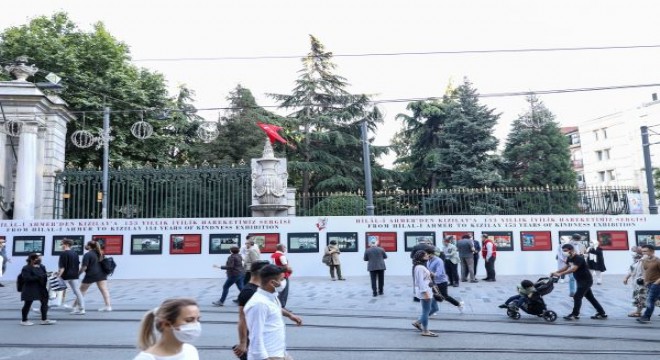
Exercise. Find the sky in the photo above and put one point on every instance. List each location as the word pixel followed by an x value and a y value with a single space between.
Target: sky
pixel 182 30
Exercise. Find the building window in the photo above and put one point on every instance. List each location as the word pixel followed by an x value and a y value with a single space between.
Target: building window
pixel 604 133
pixel 611 174
pixel 606 154
pixel 596 135
pixel 601 176
pixel 599 155
pixel 575 139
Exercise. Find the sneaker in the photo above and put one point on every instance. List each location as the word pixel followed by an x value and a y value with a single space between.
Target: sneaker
pixel 1 285
pixel 461 306
pixel 571 317
pixel 342 279
pixel 27 323
pixel 643 320
pixel 67 306
pixel 503 306
pixel 218 303
pixel 106 309
pixel 235 301
pixel 78 312
pixel 474 281
pixel 599 317
pixel 48 322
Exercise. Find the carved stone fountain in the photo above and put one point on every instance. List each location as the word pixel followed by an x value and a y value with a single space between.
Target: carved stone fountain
pixel 270 195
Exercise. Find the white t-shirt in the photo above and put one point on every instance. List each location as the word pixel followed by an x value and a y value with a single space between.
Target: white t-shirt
pixel 188 352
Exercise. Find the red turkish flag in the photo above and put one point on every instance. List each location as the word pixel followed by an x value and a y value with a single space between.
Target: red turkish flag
pixel 271 131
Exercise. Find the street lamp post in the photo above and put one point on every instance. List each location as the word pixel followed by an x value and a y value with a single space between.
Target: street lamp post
pixel 648 169
pixel 366 158
pixel 105 137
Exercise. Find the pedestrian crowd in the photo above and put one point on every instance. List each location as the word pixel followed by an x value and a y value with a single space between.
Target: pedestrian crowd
pixel 167 331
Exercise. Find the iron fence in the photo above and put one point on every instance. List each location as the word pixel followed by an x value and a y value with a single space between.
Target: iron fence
pixel 146 192
pixel 501 201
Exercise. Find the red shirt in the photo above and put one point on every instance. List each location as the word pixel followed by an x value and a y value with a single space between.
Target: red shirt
pixel 277 260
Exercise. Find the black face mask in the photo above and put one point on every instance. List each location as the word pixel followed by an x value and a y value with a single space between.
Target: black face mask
pixel 37 262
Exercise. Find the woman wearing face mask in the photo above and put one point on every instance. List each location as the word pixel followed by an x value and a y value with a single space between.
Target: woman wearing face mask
pixel 636 271
pixel 177 321
pixel 423 291
pixel 35 283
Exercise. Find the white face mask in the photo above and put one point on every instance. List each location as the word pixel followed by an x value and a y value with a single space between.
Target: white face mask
pixel 188 333
pixel 566 253
pixel 282 286
pixel 645 257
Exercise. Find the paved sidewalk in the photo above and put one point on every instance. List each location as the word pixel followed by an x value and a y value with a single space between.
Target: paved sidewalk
pixel 354 295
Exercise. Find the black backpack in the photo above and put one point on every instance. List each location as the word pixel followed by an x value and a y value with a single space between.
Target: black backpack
pixel 19 283
pixel 108 265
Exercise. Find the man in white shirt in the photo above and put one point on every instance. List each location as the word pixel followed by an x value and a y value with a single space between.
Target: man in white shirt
pixel 263 315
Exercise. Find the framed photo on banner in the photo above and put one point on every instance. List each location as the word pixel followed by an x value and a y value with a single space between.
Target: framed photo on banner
pixel 346 241
pixel 221 243
pixel 303 242
pixel 185 244
pixel 146 244
pixel 502 239
pixel 78 243
pixel 386 240
pixel 648 238
pixel 111 244
pixel 266 242
pixel 613 240
pixel 26 245
pixel 414 238
pixel 535 240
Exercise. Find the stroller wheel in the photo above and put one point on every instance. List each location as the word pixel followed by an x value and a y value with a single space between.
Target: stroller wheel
pixel 550 316
pixel 513 314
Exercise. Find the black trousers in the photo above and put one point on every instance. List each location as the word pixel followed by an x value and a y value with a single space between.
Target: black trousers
pixel 443 290
pixel 246 280
pixel 380 275
pixel 476 262
pixel 584 291
pixel 28 305
pixel 490 268
pixel 452 272
pixel 284 295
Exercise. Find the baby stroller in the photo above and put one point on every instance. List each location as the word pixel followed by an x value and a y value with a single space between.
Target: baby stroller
pixel 536 305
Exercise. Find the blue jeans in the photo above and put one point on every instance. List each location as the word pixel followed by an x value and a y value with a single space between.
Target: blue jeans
pixel 434 307
pixel 572 286
pixel 231 280
pixel 426 310
pixel 651 297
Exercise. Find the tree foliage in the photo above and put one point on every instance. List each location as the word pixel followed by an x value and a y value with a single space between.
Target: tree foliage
pixel 325 127
pixel 96 72
pixel 536 152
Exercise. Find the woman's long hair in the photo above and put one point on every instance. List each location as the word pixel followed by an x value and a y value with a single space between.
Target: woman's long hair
pixel 94 246
pixel 153 320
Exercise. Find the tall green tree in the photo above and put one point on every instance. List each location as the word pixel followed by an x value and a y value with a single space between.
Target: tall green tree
pixel 239 137
pixel 451 141
pixel 325 127
pixel 536 152
pixel 96 72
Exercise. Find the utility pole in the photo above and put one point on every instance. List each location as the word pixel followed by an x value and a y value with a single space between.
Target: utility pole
pixel 648 169
pixel 366 158
pixel 106 159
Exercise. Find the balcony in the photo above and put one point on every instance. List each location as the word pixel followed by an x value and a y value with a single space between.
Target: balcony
pixel 577 164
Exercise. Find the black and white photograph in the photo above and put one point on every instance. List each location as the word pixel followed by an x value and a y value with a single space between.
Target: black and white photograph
pixel 414 238
pixel 303 242
pixel 25 245
pixel 146 244
pixel 346 241
pixel 78 243
pixel 220 243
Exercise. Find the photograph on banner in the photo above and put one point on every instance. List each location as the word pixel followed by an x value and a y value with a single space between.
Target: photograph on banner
pixel 303 242
pixel 418 237
pixel 186 244
pixel 146 244
pixel 221 243
pixel 25 245
pixel 503 240
pixel 111 244
pixel 267 242
pixel 566 236
pixel 78 243
pixel 346 241
pixel 535 241
pixel 386 240
pixel 648 238
pixel 457 235
pixel 635 204
pixel 613 240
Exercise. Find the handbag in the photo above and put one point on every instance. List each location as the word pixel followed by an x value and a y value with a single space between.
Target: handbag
pixel 437 295
pixel 56 284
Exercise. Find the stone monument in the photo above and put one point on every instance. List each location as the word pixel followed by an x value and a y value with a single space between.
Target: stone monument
pixel 270 195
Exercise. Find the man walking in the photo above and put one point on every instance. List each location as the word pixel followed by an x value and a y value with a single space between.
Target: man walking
pixel 252 255
pixel 263 316
pixel 452 260
pixel 375 257
pixel 466 252
pixel 576 265
pixel 651 265
pixel 69 266
pixel 235 274
pixel 280 260
pixel 489 253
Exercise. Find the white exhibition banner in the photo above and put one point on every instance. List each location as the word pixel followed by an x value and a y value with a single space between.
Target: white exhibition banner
pixel 187 248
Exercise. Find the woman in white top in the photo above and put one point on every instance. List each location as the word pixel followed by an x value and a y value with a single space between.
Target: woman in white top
pixel 423 291
pixel 177 321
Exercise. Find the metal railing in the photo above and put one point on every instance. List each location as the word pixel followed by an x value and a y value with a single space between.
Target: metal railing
pixel 501 201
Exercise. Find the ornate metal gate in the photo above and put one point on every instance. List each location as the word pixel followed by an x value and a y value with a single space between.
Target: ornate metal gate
pixel 146 192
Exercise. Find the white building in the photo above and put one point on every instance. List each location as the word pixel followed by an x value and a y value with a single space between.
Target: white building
pixel 611 147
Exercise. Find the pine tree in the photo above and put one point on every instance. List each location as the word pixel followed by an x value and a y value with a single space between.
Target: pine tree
pixel 325 127
pixel 536 152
